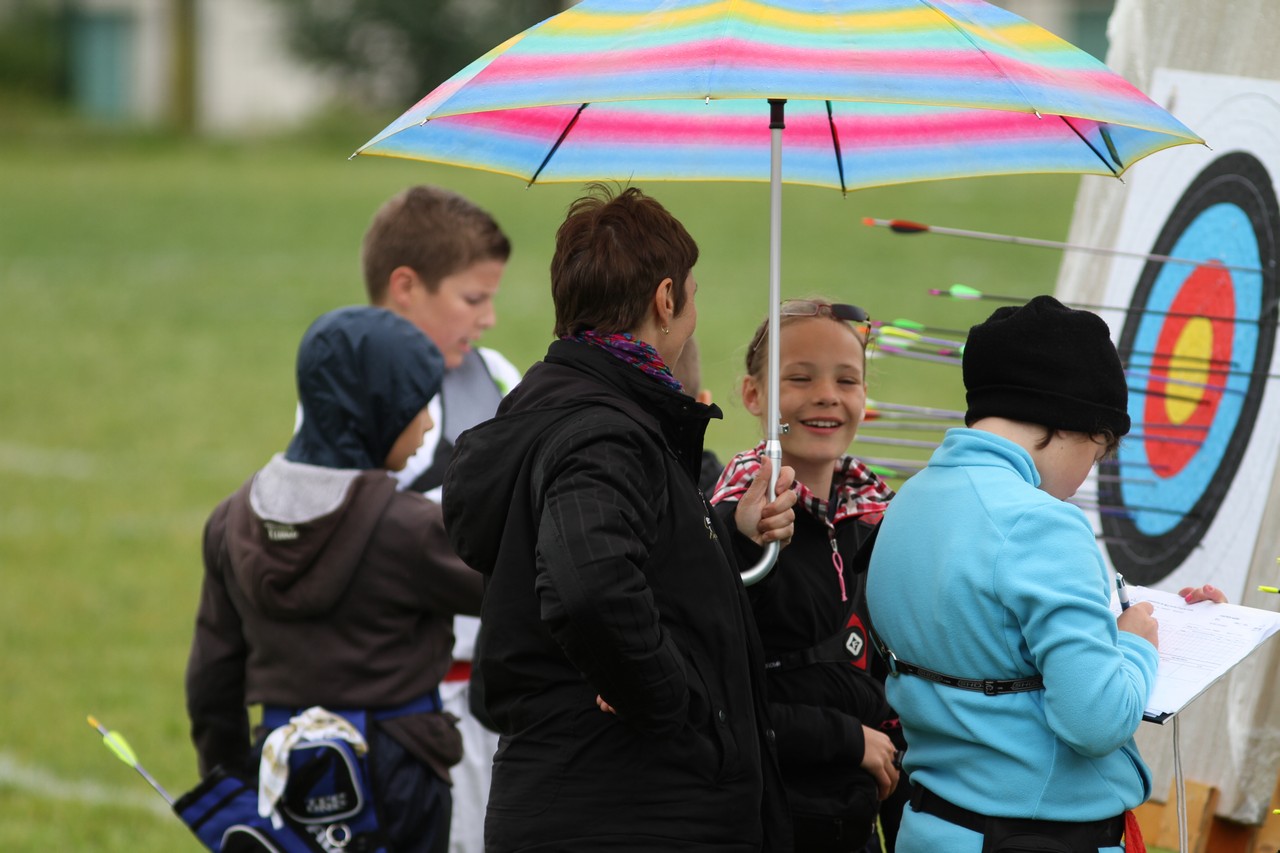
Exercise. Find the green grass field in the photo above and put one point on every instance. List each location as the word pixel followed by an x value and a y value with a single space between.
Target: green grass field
pixel 152 293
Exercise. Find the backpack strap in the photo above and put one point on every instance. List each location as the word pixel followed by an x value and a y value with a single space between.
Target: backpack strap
pixel 848 645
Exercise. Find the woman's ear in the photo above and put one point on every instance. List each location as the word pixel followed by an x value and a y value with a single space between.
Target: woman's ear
pixel 753 398
pixel 664 303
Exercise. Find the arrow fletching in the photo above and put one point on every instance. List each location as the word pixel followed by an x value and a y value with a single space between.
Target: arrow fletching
pixel 115 742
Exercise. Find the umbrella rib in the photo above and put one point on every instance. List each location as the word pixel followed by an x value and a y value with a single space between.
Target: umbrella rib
pixel 1111 146
pixel 559 139
pixel 1095 151
pixel 1004 75
pixel 835 142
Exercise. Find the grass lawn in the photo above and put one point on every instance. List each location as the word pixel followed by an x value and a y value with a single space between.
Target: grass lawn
pixel 152 293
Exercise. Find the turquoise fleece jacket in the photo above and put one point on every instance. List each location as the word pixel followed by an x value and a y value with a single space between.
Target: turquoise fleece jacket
pixel 979 574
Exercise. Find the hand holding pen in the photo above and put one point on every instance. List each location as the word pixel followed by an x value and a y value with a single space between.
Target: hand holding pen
pixel 1136 620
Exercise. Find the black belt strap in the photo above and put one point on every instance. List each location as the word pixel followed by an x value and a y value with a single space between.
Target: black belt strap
pixel 988 686
pixel 1101 833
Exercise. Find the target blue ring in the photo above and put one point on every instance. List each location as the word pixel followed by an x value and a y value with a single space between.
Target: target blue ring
pixel 1223 232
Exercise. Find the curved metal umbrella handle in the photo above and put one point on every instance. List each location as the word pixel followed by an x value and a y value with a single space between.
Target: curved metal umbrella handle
pixel 772 447
pixel 758 572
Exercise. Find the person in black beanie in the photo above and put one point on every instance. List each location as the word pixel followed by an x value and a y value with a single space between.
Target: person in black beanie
pixel 1020 690
pixel 1046 364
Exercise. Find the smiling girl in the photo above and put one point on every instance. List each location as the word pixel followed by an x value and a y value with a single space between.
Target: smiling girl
pixel 827 707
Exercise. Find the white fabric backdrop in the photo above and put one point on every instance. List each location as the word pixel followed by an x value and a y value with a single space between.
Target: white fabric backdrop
pixel 1213 64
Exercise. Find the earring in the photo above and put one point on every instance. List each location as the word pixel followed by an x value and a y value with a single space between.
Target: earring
pixel 665 330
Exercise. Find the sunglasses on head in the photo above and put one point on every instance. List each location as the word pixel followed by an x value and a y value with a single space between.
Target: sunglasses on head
pixel 838 310
pixel 853 314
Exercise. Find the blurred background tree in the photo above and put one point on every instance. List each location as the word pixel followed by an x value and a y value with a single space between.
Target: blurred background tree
pixel 33 47
pixel 240 68
pixel 395 51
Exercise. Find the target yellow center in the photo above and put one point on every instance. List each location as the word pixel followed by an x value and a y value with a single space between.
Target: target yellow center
pixel 1189 362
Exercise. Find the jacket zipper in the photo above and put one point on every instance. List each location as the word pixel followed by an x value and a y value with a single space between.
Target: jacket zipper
pixel 837 561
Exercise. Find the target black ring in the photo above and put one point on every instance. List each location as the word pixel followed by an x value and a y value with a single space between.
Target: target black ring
pixel 1238 179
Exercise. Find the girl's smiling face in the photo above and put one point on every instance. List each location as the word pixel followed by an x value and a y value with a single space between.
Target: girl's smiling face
pixel 822 395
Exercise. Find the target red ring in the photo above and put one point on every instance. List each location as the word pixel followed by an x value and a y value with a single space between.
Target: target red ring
pixel 1188 368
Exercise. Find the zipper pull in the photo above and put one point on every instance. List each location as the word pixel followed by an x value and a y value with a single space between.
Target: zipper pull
pixel 838 562
pixel 706 514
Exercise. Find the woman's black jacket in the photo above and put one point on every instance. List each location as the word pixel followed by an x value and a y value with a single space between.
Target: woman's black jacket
pixel 607 574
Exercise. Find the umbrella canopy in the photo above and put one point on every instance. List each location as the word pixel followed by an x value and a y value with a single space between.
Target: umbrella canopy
pixel 870 92
pixel 880 92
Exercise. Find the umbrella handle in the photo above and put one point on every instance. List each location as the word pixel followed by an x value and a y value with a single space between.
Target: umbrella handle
pixel 772 447
pixel 758 572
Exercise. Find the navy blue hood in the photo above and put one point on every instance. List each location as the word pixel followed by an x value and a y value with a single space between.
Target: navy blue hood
pixel 363 374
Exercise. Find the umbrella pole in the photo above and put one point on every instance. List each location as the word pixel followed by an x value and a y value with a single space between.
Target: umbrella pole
pixel 772 447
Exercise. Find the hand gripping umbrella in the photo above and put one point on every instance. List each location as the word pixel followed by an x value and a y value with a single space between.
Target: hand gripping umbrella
pixel 871 92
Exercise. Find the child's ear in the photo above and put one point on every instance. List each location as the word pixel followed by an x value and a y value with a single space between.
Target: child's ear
pixel 703 397
pixel 400 286
pixel 753 398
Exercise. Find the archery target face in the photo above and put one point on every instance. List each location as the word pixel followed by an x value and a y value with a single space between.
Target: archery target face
pixel 1181 503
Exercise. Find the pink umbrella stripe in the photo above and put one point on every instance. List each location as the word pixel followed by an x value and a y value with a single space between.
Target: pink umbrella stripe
pixel 952 128
pixel 935 77
pixel 606 124
pixel 533 122
pixel 706 153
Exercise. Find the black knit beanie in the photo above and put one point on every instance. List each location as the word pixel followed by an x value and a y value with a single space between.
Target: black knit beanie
pixel 1047 364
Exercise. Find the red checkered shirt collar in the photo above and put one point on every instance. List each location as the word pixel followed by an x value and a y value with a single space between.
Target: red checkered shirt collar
pixel 859 492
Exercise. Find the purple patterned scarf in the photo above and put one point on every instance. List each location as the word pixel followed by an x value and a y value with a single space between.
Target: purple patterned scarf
pixel 639 354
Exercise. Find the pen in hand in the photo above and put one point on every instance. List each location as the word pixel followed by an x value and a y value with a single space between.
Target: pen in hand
pixel 1122 590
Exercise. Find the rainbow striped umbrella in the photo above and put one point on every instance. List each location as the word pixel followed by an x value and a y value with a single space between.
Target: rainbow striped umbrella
pixel 879 92
pixel 870 92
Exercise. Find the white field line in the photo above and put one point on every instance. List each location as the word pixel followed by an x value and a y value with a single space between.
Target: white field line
pixel 38 782
pixel 36 461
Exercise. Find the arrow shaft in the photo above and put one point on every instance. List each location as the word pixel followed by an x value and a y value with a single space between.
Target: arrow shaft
pixel 1191 315
pixel 916 410
pixel 919 356
pixel 1212 371
pixel 1185 383
pixel 903 227
pixel 1169 356
pixel 1166 395
pixel 873 414
pixel 1164 439
pixel 900 464
pixel 896 442
pixel 1108 509
pixel 887 330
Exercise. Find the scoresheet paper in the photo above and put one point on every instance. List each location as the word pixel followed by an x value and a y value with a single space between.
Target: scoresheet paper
pixel 1199 643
